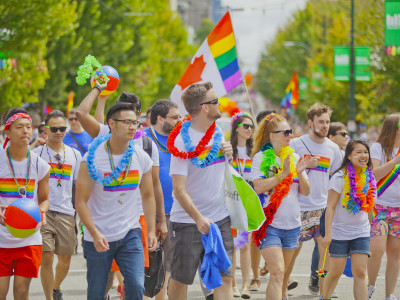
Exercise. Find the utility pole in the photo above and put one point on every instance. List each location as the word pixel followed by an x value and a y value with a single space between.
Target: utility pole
pixel 352 76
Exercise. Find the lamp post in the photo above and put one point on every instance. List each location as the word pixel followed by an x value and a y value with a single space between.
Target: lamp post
pixel 352 123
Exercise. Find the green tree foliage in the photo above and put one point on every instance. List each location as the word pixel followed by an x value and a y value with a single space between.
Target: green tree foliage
pixel 316 30
pixel 204 30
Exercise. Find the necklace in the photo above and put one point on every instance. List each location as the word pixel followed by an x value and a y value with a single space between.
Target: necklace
pixel 119 182
pixel 59 165
pixel 22 190
pixel 160 146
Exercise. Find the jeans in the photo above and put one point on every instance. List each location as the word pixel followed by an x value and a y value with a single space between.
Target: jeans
pixel 128 253
pixel 315 261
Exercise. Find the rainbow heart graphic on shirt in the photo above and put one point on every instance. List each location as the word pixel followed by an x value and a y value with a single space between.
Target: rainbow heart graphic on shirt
pixel 130 183
pixel 57 173
pixel 8 188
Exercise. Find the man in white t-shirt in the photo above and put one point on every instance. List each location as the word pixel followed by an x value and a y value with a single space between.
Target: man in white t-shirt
pixel 59 235
pixel 111 176
pixel 198 191
pixel 326 158
pixel 23 175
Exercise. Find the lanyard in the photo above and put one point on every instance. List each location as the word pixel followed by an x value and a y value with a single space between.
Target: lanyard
pixel 22 189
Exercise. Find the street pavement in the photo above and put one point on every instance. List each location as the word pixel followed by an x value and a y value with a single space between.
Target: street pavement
pixel 74 286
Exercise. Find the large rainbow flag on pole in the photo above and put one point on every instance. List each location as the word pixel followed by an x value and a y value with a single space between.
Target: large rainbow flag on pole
pixel 70 102
pixel 216 61
pixel 291 98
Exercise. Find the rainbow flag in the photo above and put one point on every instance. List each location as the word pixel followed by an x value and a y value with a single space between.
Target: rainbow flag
pixel 55 172
pixel 70 102
pixel 130 183
pixel 219 159
pixel 291 98
pixel 216 61
pixel 323 165
pixel 8 188
pixel 386 181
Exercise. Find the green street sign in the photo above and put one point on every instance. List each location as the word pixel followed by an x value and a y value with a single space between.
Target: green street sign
pixel 303 87
pixel 342 64
pixel 392 23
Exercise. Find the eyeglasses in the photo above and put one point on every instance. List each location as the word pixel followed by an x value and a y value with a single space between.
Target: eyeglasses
pixel 246 126
pixel 55 129
pixel 286 132
pixel 342 133
pixel 174 117
pixel 128 123
pixel 215 101
pixel 72 119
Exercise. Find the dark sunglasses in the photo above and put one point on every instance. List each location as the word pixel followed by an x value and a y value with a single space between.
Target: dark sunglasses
pixel 215 101
pixel 72 119
pixel 286 132
pixel 342 133
pixel 246 126
pixel 41 130
pixel 55 129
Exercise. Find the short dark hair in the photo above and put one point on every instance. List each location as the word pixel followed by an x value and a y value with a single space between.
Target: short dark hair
pixel 14 111
pixel 193 96
pixel 334 127
pixel 73 111
pixel 53 114
pixel 161 108
pixel 131 98
pixel 262 114
pixel 118 107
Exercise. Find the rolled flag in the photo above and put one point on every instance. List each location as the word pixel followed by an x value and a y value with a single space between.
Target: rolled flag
pixel 216 61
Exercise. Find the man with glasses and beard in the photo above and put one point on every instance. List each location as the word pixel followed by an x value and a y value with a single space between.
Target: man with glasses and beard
pixel 326 158
pixel 164 117
pixel 58 233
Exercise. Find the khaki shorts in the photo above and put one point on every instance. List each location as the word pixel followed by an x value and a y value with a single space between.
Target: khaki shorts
pixel 59 233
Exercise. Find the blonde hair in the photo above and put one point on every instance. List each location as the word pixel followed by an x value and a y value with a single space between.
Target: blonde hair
pixel 318 109
pixel 266 126
pixel 387 136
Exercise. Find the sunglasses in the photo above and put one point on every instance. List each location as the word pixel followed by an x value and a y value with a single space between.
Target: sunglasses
pixel 58 158
pixel 246 126
pixel 342 133
pixel 286 132
pixel 55 129
pixel 72 119
pixel 215 101
pixel 41 130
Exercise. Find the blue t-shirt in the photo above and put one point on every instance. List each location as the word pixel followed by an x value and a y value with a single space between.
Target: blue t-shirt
pixel 83 138
pixel 165 179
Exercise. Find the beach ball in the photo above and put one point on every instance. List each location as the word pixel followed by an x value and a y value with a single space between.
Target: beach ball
pixel 112 84
pixel 23 217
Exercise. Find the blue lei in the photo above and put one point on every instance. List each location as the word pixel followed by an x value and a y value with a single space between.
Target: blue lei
pixel 212 155
pixel 93 172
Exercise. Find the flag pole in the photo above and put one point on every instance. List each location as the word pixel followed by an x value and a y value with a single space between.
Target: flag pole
pixel 243 79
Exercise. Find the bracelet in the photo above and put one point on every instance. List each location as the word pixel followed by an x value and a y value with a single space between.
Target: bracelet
pixel 278 177
pixel 97 86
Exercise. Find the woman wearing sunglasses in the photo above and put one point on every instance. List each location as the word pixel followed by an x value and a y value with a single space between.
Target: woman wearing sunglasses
pixel 338 134
pixel 278 176
pixel 242 144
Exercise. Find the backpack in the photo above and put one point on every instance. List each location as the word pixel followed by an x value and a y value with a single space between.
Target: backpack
pixel 147 145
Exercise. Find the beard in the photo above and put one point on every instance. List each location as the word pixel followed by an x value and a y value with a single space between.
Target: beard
pixel 318 133
pixel 167 127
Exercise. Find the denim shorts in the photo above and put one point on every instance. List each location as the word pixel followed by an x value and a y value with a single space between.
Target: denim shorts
pixel 346 248
pixel 285 239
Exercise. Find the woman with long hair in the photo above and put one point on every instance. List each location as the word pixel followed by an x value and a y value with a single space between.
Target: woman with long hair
pixel 351 194
pixel 242 144
pixel 385 229
pixel 278 176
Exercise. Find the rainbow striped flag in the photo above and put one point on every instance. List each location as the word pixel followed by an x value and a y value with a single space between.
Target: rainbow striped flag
pixel 130 183
pixel 220 158
pixel 291 98
pixel 56 173
pixel 8 188
pixel 70 102
pixel 216 61
pixel 247 164
pixel 386 181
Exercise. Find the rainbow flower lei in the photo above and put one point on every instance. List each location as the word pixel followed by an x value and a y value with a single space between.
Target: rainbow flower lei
pixel 114 175
pixel 359 191
pixel 211 156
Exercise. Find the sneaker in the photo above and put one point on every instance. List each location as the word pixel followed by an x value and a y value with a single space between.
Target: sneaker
pixel 391 297
pixel 57 295
pixel 236 292
pixel 210 297
pixel 313 285
pixel 371 290
pixel 292 284
pixel 334 295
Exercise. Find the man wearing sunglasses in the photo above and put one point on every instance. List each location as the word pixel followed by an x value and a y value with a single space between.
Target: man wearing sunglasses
pixel 326 158
pixel 77 137
pixel 59 236
pixel 41 137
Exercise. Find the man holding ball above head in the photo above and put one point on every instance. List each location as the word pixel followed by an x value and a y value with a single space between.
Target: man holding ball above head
pixel 23 175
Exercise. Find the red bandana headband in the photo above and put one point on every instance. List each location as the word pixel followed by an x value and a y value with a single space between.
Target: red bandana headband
pixel 12 119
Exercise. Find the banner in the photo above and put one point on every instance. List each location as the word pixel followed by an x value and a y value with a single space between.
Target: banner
pixel 392 27
pixel 342 63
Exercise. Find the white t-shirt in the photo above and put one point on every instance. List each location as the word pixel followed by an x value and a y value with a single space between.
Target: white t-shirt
pixel 242 163
pixel 9 193
pixel 61 196
pixel 391 196
pixel 115 208
pixel 104 129
pixel 205 185
pixel 330 161
pixel 345 225
pixel 288 214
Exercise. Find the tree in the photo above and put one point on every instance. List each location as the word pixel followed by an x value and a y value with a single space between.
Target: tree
pixel 204 30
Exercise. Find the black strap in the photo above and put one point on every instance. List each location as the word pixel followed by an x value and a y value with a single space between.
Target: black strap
pixel 77 142
pixel 308 171
pixel 147 145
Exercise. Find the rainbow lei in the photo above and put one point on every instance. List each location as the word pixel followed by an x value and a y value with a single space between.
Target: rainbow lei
pixel 114 175
pixel 281 190
pixel 359 191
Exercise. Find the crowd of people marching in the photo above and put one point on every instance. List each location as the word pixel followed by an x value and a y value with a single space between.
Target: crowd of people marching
pixel 134 189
